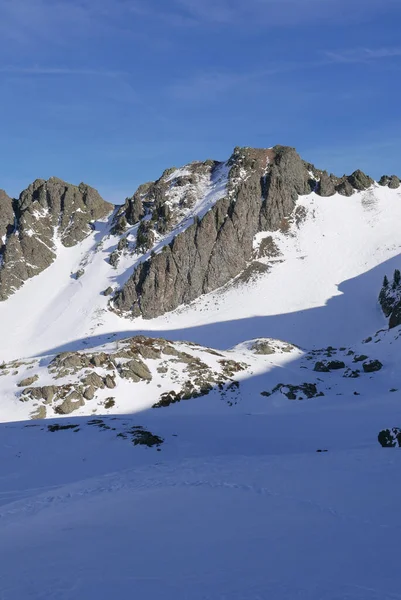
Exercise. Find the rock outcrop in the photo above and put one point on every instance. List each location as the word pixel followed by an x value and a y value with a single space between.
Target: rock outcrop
pixel 164 200
pixel 391 181
pixel 29 225
pixel 194 228
pixel 345 186
pixel 182 371
pixel 390 299
pixel 390 438
pixel 262 188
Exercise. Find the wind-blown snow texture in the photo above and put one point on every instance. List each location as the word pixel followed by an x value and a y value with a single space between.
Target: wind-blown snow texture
pixel 260 486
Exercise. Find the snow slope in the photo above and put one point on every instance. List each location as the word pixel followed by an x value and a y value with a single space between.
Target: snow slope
pixel 329 267
pixel 232 506
pixel 249 495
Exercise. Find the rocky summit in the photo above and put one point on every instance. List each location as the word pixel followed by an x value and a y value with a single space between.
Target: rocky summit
pixel 45 214
pixel 261 191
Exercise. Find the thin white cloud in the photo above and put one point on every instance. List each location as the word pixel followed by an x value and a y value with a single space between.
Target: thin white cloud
pixel 56 21
pixel 37 70
pixel 363 55
pixel 279 12
pixel 208 85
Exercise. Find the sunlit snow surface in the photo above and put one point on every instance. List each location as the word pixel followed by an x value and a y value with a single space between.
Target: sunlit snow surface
pixel 236 503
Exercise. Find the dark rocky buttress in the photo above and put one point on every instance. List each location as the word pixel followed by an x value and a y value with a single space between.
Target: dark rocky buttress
pixel 28 227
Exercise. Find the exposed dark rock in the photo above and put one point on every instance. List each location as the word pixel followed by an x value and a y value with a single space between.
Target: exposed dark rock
pixel 56 427
pixel 344 188
pixel 108 291
pixel 141 437
pixel 390 299
pixel 145 237
pixel 391 181
pixel 296 392
pixel 321 367
pixel 44 208
pixel 394 182
pixel 395 318
pixel 7 217
pixel 360 181
pixel 327 185
pixel 390 438
pixel 122 244
pixel 114 258
pixel 360 358
pixel 133 209
pixel 109 403
pixel 335 365
pixel 372 366
pixel 352 374
pixel 268 248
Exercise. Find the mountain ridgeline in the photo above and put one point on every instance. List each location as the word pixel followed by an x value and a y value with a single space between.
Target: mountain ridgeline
pixel 193 228
pixel 29 227
pixel 262 189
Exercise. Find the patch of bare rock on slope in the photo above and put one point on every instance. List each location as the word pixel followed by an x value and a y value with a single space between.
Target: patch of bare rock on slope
pixel 73 380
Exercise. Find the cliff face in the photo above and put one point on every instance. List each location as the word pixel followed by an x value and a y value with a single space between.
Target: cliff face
pixel 390 299
pixel 28 227
pixel 262 188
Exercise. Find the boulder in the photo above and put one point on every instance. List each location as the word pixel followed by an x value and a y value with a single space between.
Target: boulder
pixel 136 370
pixel 371 366
pixel 109 382
pixel 28 381
pixel 321 367
pixel 71 403
pixel 93 380
pixel 334 365
pixel 89 392
pixel 390 438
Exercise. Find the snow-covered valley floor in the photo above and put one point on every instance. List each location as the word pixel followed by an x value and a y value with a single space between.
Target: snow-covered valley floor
pixel 231 507
pixel 249 495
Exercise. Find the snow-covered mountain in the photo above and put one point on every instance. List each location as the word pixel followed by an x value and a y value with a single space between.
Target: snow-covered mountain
pixel 193 384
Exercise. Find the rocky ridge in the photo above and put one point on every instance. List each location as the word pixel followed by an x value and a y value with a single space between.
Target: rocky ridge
pixel 190 232
pixel 46 213
pixel 96 380
pixel 390 299
pixel 262 188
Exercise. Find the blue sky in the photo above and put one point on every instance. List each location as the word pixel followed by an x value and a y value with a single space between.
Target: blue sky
pixel 112 92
